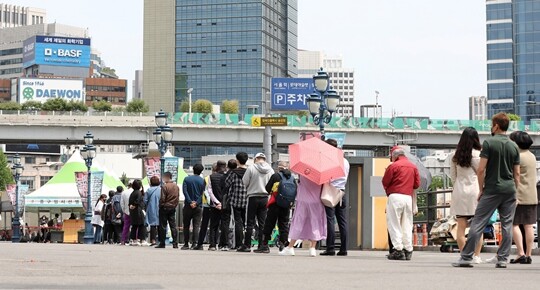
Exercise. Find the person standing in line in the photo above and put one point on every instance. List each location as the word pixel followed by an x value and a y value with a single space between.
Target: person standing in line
pixel 117 214
pixel 339 213
pixel 255 180
pixel 216 197
pixel 206 206
pixel 97 221
pixel 125 209
pixel 224 243
pixel 463 167
pixel 527 198
pixel 151 200
pixel 107 216
pixel 168 201
pixel 136 213
pixel 498 178
pixel 236 191
pixel 193 188
pixel 400 180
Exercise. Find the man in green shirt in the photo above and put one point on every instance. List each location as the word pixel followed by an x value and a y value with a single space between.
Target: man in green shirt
pixel 498 177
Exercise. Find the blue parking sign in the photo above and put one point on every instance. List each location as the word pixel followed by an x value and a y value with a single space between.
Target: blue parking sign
pixel 290 94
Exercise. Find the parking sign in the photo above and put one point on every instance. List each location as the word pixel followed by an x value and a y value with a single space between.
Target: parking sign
pixel 290 94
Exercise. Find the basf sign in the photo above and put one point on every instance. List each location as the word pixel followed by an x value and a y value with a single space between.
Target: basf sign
pixel 291 94
pixel 56 50
pixel 41 90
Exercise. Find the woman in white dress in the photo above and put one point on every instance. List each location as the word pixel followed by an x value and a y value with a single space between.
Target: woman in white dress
pixel 463 168
pixel 97 221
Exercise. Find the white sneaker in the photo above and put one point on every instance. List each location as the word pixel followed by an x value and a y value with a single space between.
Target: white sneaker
pixel 224 249
pixel 493 260
pixel 145 244
pixel 312 252
pixel 477 260
pixel 287 252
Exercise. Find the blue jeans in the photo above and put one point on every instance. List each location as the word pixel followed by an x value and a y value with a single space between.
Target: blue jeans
pixel 97 234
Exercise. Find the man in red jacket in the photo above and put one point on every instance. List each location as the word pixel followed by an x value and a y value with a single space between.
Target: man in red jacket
pixel 400 180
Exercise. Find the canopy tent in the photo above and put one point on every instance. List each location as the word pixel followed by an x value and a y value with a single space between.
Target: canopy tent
pixel 61 191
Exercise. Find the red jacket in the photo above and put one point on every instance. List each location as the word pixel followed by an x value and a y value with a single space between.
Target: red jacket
pixel 401 177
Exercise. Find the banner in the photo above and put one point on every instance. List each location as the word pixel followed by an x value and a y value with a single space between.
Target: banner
pixel 171 165
pixel 81 178
pixel 152 167
pixel 10 189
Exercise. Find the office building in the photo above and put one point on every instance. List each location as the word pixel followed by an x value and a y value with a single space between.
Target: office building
pixel 513 57
pixel 341 78
pixel 478 108
pixel 15 16
pixel 138 85
pixel 221 49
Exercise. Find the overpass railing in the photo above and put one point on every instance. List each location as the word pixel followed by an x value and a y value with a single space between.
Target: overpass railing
pixel 345 122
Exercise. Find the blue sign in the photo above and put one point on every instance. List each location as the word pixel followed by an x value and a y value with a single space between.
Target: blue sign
pixel 55 50
pixel 291 94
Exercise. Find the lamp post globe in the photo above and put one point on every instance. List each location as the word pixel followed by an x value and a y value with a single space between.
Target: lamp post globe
pixel 323 102
pixel 163 136
pixel 161 118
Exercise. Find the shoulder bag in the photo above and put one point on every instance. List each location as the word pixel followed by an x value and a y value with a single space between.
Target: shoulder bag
pixel 330 195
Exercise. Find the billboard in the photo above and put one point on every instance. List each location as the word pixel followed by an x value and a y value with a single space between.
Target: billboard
pixel 290 94
pixel 43 89
pixel 56 50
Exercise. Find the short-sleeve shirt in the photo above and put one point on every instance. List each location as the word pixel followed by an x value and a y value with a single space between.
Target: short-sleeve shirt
pixel 501 154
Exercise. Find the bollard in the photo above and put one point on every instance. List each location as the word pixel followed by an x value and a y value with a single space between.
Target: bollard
pixel 415 236
pixel 424 235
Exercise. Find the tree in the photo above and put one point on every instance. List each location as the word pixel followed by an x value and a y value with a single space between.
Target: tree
pixel 137 106
pixel 77 106
pixel 124 179
pixel 54 105
pixel 32 105
pixel 230 107
pixel 203 106
pixel 102 106
pixel 184 107
pixel 10 106
pixel 513 117
pixel 109 71
pixel 5 172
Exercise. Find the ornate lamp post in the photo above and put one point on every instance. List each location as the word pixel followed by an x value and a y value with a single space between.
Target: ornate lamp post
pixel 88 152
pixel 323 101
pixel 16 170
pixel 163 136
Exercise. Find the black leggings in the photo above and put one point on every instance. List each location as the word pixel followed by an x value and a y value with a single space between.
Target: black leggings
pixel 138 232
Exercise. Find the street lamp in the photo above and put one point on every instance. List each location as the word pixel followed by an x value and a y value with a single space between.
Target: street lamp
pixel 88 152
pixel 323 101
pixel 163 136
pixel 189 99
pixel 16 170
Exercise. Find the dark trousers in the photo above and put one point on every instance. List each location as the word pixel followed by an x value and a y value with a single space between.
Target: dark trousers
pixel 191 215
pixel 117 232
pixel 225 222
pixel 108 233
pixel 239 225
pixel 281 216
pixel 138 232
pixel 204 225
pixel 256 211
pixel 153 233
pixel 167 216
pixel 332 214
pixel 215 221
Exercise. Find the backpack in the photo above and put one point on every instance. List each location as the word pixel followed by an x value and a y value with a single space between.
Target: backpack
pixel 286 191
pixel 206 201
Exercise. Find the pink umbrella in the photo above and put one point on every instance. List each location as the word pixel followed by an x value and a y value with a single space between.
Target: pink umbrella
pixel 316 160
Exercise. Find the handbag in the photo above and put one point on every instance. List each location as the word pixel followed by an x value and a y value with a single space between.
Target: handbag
pixel 330 195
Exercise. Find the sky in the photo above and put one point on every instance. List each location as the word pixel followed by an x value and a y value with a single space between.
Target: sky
pixel 425 57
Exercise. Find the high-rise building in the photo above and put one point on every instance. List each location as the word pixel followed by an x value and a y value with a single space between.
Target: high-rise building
pixel 220 49
pixel 138 85
pixel 15 16
pixel 478 108
pixel 513 57
pixel 341 78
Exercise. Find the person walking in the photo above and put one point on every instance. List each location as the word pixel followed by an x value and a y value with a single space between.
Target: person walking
pixel 118 214
pixel 125 209
pixel 151 200
pixel 236 192
pixel 255 180
pixel 216 209
pixel 498 178
pixel 206 205
pixel 527 198
pixel 463 167
pixel 168 201
pixel 97 221
pixel 193 188
pixel 337 213
pixel 136 213
pixel 277 212
pixel 225 205
pixel 400 180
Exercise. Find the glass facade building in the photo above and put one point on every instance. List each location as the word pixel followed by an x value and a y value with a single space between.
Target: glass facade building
pixel 230 49
pixel 513 57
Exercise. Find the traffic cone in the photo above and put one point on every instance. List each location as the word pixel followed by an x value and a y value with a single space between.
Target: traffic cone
pixel 424 235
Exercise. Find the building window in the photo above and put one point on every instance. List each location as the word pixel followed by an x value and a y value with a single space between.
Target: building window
pixel 29 160
pixel 44 179
pixel 27 180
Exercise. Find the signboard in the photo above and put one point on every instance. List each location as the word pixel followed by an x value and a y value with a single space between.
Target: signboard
pixel 171 165
pixel 290 94
pixel 268 121
pixel 96 179
pixel 41 90
pixel 152 166
pixel 339 137
pixel 56 50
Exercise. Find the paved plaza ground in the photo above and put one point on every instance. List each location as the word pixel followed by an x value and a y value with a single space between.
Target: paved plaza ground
pixel 63 266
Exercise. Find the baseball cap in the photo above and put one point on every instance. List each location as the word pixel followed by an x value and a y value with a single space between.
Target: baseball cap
pixel 260 155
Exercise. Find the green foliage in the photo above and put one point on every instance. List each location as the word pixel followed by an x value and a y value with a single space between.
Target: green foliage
pixel 10 106
pixel 32 105
pixel 76 106
pixel 119 109
pixel 124 179
pixel 184 107
pixel 102 106
pixel 202 106
pixel 230 107
pixel 513 117
pixel 302 114
pixel 137 106
pixel 55 105
pixel 109 71
pixel 5 172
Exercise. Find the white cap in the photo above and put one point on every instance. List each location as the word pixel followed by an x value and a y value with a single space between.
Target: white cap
pixel 260 155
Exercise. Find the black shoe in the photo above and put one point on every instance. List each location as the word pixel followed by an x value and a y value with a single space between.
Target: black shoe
pixel 185 247
pixel 397 255
pixel 408 255
pixel 501 265
pixel 262 250
pixel 529 260
pixel 243 249
pixel 197 248
pixel 162 246
pixel 175 246
pixel 520 260
pixel 328 253
pixel 341 253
